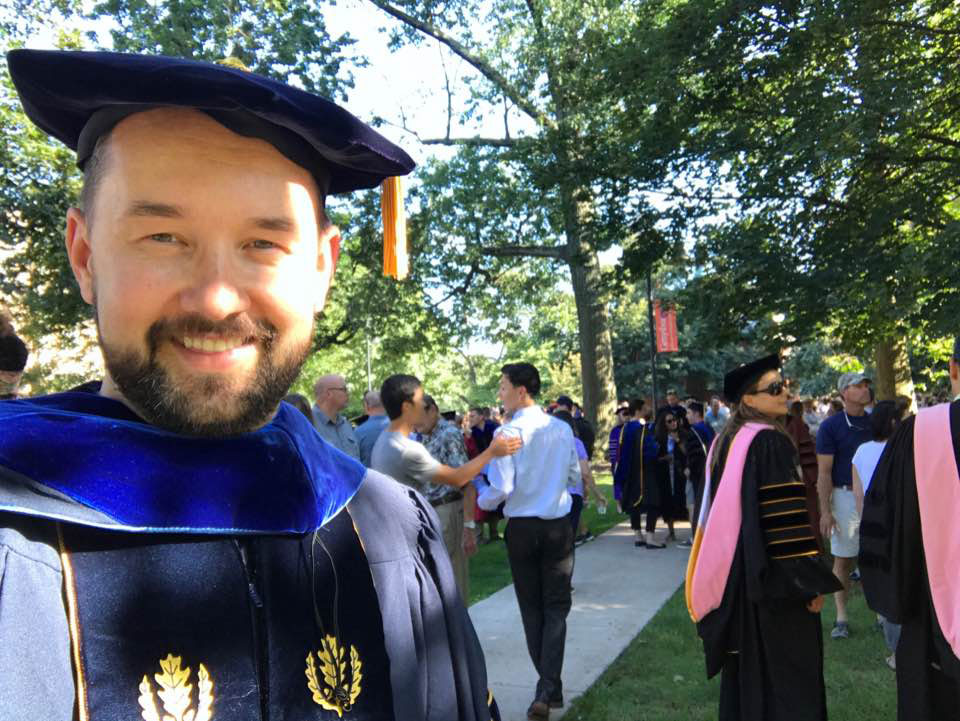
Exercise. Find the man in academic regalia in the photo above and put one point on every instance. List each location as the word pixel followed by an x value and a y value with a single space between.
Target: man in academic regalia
pixel 635 481
pixel 755 579
pixel 909 554
pixel 174 541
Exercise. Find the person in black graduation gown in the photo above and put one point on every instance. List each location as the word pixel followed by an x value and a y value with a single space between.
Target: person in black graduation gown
pixel 764 634
pixel 636 480
pixel 895 574
pixel 672 473
pixel 175 536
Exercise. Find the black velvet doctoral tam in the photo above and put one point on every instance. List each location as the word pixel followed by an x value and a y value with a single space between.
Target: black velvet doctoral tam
pixel 78 96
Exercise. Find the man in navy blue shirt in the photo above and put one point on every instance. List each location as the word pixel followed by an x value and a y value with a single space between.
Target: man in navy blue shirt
pixel 838 438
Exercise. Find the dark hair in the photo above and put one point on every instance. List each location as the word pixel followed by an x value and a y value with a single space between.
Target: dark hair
pixel 567 418
pixel 884 420
pixel 565 401
pixel 397 390
pixel 428 402
pixel 837 405
pixel 13 351
pixel 523 374
pixel 696 407
pixel 301 404
pixel 740 415
pixel 796 408
pixel 660 431
pixel 956 349
pixel 636 405
pixel 93 170
pixel 477 409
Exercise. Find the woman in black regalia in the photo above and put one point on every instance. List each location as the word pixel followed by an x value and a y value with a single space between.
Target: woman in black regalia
pixel 671 467
pixel 763 634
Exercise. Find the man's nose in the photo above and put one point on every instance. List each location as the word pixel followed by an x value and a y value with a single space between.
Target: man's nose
pixel 215 290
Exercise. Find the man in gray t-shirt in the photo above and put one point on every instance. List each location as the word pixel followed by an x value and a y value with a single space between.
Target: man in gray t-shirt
pixel 404 459
pixel 408 461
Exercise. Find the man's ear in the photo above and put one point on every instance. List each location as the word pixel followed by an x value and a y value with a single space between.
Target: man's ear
pixel 80 252
pixel 954 370
pixel 328 254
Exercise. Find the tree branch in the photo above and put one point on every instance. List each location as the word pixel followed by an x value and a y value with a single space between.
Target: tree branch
pixel 446 82
pixel 941 139
pixel 483 67
pixel 919 27
pixel 475 142
pixel 527 251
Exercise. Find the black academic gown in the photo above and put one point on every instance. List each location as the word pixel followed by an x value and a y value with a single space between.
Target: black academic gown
pixel 303 584
pixel 673 484
pixel 762 638
pixel 895 583
pixel 636 473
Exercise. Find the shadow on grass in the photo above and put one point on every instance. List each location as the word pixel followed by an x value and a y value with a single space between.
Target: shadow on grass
pixel 660 676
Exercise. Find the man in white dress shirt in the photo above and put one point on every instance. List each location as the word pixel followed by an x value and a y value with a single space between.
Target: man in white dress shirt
pixel 538 535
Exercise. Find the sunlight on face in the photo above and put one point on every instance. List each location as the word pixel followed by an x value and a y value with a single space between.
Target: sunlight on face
pixel 765 402
pixel 206 260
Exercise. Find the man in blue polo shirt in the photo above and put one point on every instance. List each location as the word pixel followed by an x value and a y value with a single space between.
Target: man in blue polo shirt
pixel 838 438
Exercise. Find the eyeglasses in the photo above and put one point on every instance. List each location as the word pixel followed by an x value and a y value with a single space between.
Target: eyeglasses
pixel 338 388
pixel 773 389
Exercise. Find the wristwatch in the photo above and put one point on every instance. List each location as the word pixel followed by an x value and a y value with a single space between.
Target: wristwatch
pixel 469 524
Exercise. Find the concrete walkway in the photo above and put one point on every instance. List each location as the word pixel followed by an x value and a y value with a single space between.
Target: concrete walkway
pixel 618 589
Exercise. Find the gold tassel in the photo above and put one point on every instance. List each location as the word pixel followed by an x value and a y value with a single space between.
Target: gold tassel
pixel 396 260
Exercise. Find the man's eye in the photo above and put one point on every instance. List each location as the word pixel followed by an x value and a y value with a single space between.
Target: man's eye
pixel 261 244
pixel 162 238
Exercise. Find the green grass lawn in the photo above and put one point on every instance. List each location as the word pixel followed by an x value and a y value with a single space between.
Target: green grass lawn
pixel 660 676
pixel 489 569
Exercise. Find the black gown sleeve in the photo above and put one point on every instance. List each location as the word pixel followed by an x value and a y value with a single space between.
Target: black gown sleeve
pixel 891 546
pixel 782 560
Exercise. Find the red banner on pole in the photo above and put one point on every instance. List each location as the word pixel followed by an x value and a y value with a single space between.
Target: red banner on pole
pixel 666 324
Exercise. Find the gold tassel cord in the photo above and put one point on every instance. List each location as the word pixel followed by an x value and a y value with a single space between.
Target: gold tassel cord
pixel 396 260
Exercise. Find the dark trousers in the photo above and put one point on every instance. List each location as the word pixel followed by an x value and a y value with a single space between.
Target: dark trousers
pixel 541 561
pixel 576 510
pixel 636 520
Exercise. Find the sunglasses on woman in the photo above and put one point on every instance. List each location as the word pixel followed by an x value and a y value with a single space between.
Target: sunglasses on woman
pixel 774 389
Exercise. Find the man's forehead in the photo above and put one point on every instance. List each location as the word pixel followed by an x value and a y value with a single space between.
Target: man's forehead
pixel 171 134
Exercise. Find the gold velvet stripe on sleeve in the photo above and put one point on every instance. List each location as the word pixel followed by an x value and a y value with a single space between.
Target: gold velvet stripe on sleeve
pixel 785 521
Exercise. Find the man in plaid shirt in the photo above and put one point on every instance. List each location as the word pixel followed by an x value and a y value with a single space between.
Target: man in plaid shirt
pixel 444 441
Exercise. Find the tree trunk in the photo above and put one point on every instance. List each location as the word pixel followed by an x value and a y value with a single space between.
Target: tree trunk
pixel 596 342
pixel 893 371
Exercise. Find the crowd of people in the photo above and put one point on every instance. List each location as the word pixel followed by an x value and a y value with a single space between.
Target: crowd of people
pixel 173 536
pixel 824 452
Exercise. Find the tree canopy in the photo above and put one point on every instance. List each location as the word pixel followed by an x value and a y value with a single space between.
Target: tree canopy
pixel 787 170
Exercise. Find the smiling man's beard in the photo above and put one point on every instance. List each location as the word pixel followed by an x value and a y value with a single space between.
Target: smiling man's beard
pixel 202 404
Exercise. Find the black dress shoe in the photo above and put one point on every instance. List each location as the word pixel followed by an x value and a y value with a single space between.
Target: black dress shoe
pixel 538 711
pixel 656 545
pixel 640 544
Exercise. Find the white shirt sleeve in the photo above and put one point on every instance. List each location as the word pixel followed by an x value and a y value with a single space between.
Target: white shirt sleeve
pixel 573 467
pixel 501 475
